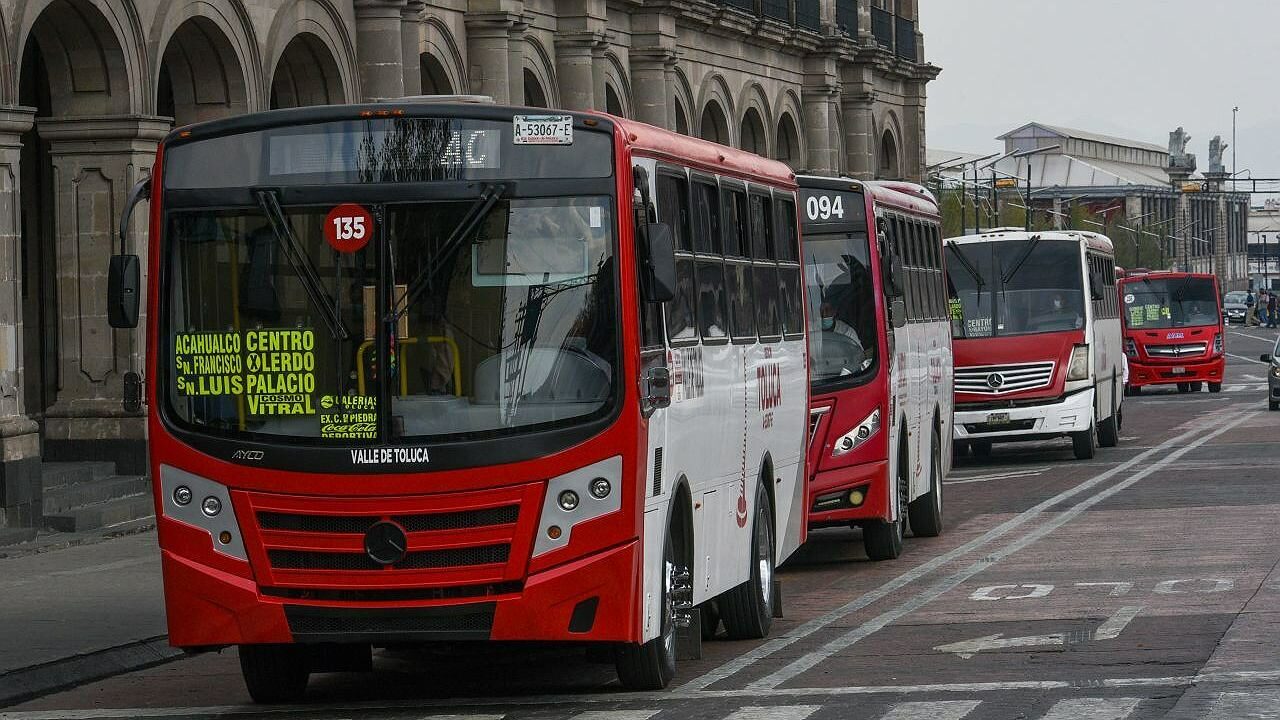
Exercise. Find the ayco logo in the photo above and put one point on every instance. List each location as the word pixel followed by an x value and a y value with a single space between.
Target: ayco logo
pixel 248 455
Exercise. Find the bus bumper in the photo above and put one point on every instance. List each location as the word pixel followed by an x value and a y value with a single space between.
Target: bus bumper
pixel 1074 413
pixel 593 598
pixel 829 503
pixel 1144 374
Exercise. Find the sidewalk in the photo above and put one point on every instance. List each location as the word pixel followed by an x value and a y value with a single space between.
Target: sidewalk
pixel 72 614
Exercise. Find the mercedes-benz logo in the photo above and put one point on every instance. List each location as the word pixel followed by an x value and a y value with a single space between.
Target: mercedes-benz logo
pixel 995 381
pixel 386 543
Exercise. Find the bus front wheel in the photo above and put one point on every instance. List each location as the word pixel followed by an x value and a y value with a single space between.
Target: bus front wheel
pixel 1082 443
pixel 925 512
pixel 275 673
pixel 747 610
pixel 882 539
pixel 1215 387
pixel 652 665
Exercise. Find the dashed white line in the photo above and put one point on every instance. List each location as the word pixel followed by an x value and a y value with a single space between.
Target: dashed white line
pixel 941 710
pixel 780 712
pixel 1093 709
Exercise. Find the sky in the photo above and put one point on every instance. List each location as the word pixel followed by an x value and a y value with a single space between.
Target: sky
pixel 1133 68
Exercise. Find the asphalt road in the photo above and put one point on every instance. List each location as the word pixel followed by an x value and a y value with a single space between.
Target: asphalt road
pixel 1141 584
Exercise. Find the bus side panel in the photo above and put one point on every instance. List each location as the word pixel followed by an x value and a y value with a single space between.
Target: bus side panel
pixel 787 442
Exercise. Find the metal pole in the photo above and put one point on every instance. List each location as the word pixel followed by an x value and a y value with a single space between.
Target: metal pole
pixel 1028 195
pixel 1234 111
pixel 964 212
pixel 977 198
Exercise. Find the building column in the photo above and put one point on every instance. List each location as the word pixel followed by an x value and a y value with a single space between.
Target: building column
pixel 856 111
pixel 653 63
pixel 410 45
pixel 515 64
pixel 21 491
pixel 913 131
pixel 820 97
pixel 96 162
pixel 581 82
pixel 380 48
pixel 488 53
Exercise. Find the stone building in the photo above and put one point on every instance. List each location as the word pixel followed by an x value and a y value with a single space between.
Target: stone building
pixel 89 87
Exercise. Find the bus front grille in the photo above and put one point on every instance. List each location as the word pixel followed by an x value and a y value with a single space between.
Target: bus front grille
pixel 421 560
pixel 1177 351
pixel 1003 379
pixel 427 522
pixel 473 621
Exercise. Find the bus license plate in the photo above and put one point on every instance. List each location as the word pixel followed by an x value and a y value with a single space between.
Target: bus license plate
pixel 542 130
pixel 1179 371
pixel 998 418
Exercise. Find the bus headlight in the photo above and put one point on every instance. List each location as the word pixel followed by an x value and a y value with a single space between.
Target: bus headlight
pixel 574 498
pixel 1078 368
pixel 214 514
pixel 1130 348
pixel 853 439
pixel 1217 343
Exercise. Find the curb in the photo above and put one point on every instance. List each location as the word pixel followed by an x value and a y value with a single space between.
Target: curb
pixel 28 683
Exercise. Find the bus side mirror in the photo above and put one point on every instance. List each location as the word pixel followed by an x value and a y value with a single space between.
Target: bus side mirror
pixel 898 311
pixel 894 280
pixel 1095 287
pixel 124 274
pixel 660 261
pixel 1265 357
pixel 124 281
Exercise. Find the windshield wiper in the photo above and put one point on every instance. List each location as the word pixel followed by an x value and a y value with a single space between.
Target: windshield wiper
pixel 954 247
pixel 1017 264
pixel 301 263
pixel 476 213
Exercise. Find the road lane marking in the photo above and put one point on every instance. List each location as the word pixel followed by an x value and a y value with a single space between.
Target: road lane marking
pixel 1253 337
pixel 616 715
pixel 1093 709
pixel 779 712
pixel 842 642
pixel 1253 705
pixel 941 710
pixel 1247 359
pixel 1109 630
pixel 891 587
pixel 1074 685
pixel 995 476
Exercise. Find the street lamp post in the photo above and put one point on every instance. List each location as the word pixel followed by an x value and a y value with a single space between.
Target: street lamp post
pixel 1234 111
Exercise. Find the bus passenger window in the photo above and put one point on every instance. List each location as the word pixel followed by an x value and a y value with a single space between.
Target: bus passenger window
pixel 786 242
pixel 737 242
pixel 765 282
pixel 742 321
pixel 761 229
pixel 791 300
pixel 713 309
pixel 706 216
pixel 681 326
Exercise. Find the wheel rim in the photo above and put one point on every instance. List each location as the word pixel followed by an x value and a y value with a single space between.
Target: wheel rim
pixel 668 607
pixel 764 556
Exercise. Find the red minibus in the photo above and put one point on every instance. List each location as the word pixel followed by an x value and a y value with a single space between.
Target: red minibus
pixel 1173 330
pixel 441 371
pixel 880 343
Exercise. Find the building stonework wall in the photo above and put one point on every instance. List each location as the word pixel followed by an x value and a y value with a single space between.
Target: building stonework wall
pixel 88 88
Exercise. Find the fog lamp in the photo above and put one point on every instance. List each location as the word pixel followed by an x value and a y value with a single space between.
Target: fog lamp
pixel 211 506
pixel 568 500
pixel 856 497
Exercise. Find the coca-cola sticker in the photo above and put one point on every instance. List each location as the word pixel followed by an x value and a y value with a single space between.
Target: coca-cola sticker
pixel 348 227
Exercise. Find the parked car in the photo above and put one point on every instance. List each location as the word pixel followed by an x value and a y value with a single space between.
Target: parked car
pixel 1233 306
pixel 1273 376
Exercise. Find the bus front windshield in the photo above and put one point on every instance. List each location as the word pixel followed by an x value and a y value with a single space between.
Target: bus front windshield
pixel 1015 287
pixel 842 339
pixel 427 315
pixel 1157 303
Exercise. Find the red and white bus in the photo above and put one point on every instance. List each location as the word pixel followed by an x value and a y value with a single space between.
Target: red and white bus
pixel 1036 328
pixel 446 371
pixel 880 348
pixel 1173 330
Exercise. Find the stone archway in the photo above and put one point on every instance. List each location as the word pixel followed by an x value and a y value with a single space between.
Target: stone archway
pixel 307 74
pixel 751 136
pixel 682 118
pixel 714 126
pixel 534 95
pixel 613 101
pixel 435 79
pixel 888 166
pixel 201 77
pixel 787 145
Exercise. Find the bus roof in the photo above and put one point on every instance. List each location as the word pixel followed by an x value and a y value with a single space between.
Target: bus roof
pixel 894 193
pixel 647 139
pixel 1092 240
pixel 1172 274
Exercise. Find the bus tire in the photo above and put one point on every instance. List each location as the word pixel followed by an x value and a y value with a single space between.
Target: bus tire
pixel 1273 405
pixel 652 665
pixel 1215 387
pixel 1197 386
pixel 1184 387
pixel 981 448
pixel 1083 445
pixel 1135 390
pixel 959 448
pixel 882 539
pixel 747 610
pixel 925 512
pixel 1109 429
pixel 275 673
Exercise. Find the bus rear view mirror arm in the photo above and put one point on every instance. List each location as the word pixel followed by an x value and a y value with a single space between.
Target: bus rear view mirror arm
pixel 660 280
pixel 124 274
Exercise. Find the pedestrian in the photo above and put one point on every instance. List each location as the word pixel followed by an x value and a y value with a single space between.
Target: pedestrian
pixel 1250 309
pixel 1260 308
pixel 1271 310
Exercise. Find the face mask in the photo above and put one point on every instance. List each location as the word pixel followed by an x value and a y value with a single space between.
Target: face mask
pixel 1057 305
pixel 828 323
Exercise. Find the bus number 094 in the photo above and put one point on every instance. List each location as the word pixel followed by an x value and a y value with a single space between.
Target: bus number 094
pixel 824 207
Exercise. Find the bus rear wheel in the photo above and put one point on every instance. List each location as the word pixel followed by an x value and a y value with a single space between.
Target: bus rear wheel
pixel 652 665
pixel 747 610
pixel 1184 387
pixel 275 673
pixel 925 512
pixel 982 448
pixel 1215 387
